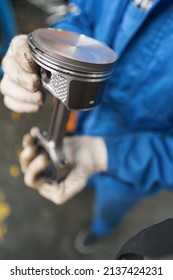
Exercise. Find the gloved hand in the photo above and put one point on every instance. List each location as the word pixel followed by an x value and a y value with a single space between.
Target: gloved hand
pixel 21 83
pixel 87 154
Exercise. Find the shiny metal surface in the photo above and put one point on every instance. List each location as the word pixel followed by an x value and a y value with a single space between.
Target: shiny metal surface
pixel 74 68
pixel 72 49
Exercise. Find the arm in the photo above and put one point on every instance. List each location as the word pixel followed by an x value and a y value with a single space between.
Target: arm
pixel 144 160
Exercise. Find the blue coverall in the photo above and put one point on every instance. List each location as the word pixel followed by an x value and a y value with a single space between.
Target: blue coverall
pixel 135 116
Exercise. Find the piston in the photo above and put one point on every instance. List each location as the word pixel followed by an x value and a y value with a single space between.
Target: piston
pixel 74 68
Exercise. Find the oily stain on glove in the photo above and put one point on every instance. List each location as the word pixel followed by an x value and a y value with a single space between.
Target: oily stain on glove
pixel 4 214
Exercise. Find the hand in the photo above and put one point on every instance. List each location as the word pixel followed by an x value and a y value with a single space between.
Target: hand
pixel 87 154
pixel 21 83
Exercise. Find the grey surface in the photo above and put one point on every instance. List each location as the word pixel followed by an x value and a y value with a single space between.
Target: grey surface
pixel 75 49
pixel 38 229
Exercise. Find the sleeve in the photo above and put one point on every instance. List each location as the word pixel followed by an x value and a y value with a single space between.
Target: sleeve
pixel 81 17
pixel 144 160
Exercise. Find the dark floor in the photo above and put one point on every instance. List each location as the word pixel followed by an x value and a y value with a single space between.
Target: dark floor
pixel 34 228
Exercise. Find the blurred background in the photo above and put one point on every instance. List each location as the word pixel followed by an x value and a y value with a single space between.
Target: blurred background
pixel 30 226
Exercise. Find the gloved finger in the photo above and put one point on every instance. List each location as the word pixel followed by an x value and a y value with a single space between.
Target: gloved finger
pixel 52 192
pixel 30 81
pixel 34 131
pixel 27 140
pixel 35 168
pixel 13 90
pixel 20 50
pixel 20 107
pixel 60 193
pixel 26 156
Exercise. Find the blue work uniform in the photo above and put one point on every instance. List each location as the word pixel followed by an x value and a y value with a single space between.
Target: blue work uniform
pixel 135 116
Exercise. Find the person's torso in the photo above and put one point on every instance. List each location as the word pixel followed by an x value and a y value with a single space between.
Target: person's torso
pixel 139 95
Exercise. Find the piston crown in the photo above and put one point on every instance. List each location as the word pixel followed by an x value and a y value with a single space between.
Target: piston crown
pixel 72 51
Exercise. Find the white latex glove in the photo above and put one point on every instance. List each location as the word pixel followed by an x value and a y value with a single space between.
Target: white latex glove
pixel 21 83
pixel 87 154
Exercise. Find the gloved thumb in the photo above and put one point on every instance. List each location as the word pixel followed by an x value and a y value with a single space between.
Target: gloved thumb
pixel 32 176
pixel 60 193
